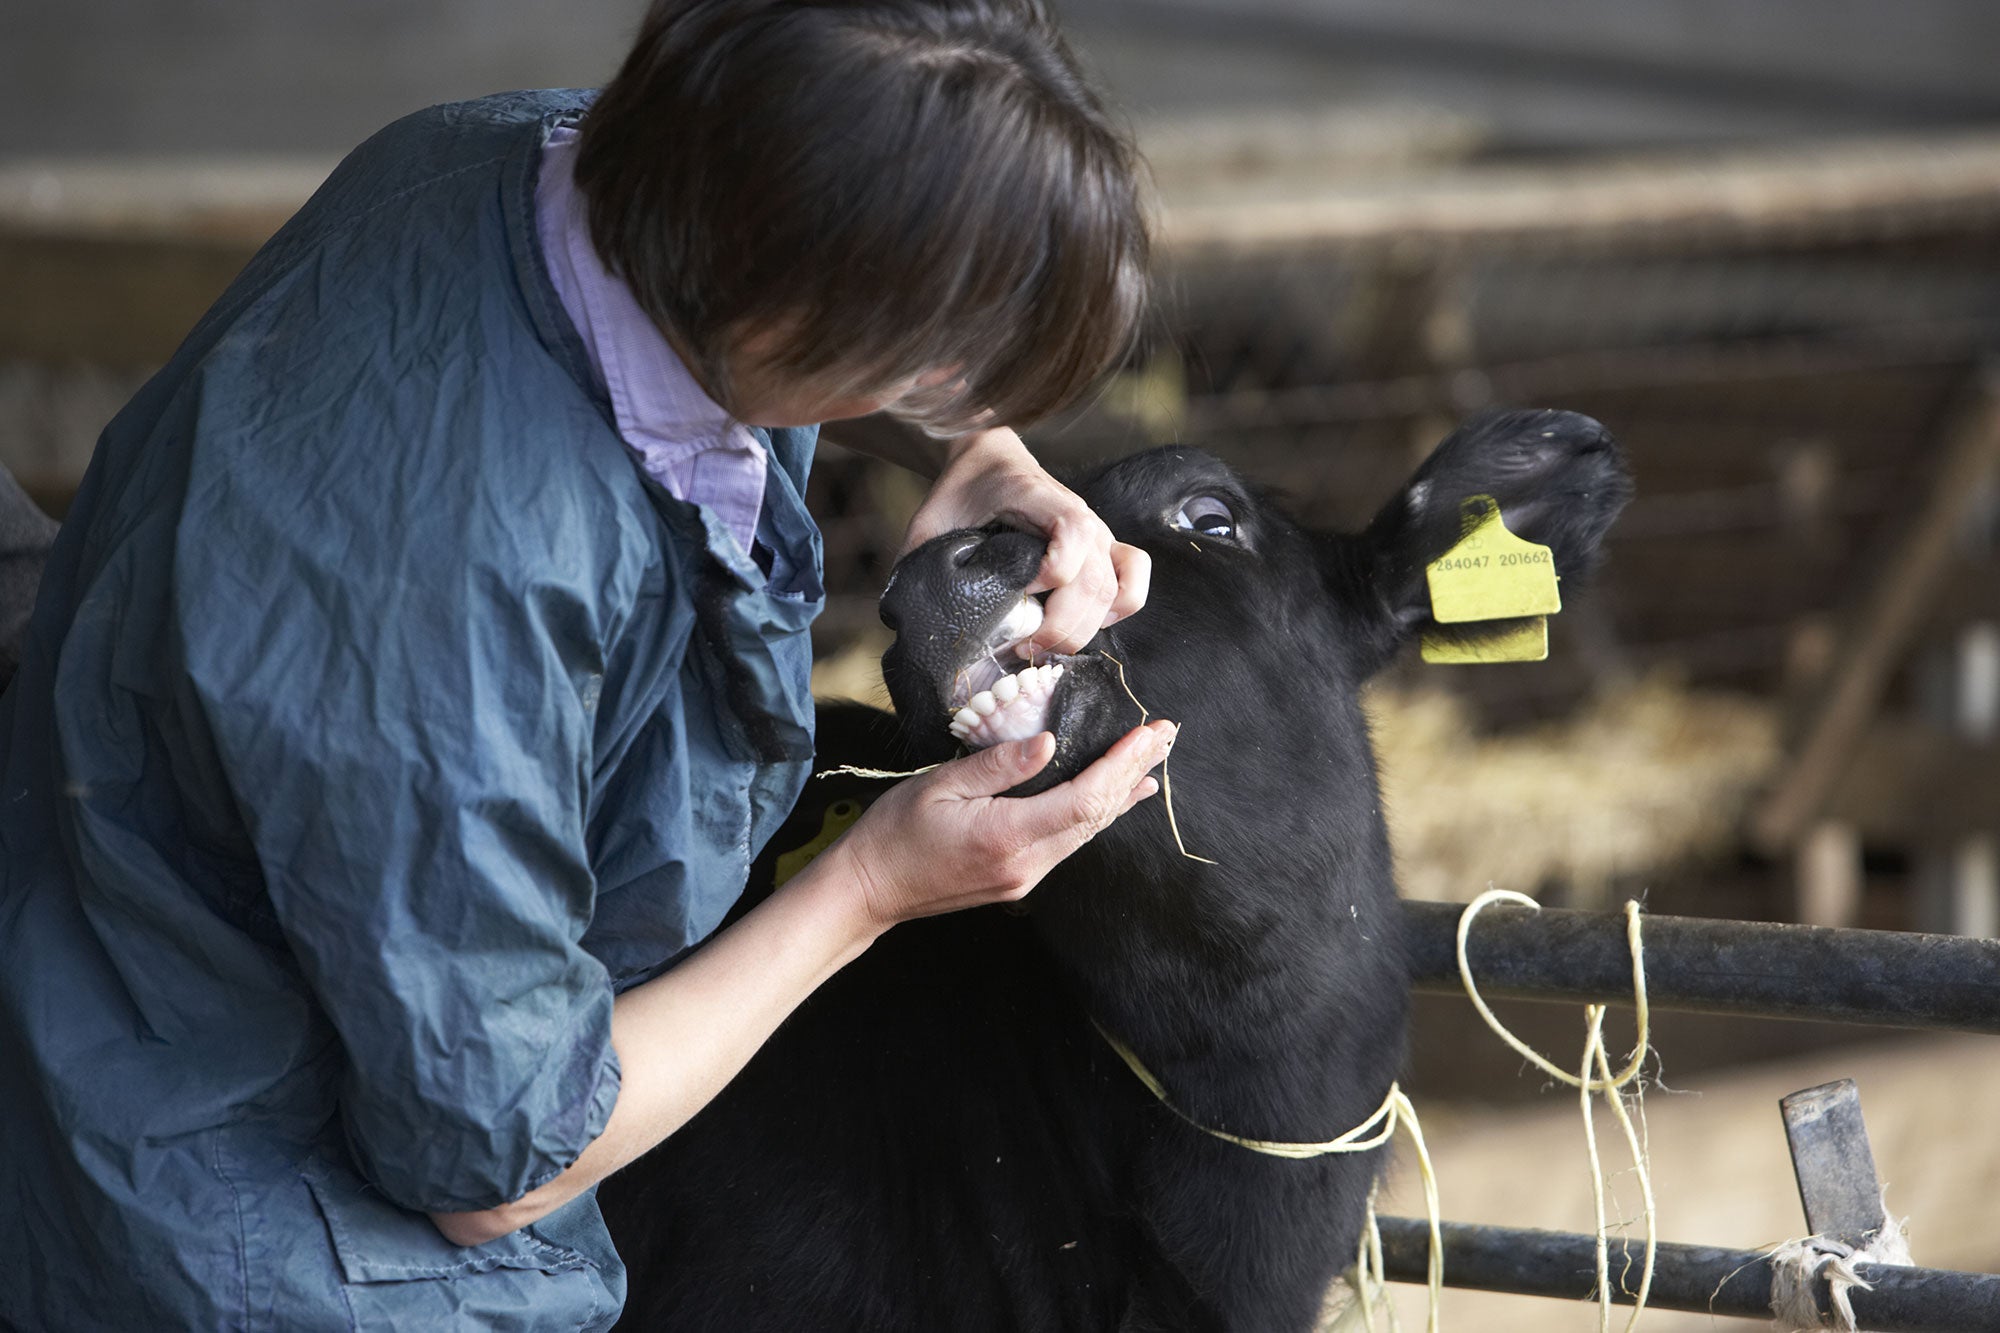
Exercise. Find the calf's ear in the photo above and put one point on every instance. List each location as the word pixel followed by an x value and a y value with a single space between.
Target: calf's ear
pixel 1558 477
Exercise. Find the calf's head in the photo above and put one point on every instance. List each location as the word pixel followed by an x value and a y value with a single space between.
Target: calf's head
pixel 1257 632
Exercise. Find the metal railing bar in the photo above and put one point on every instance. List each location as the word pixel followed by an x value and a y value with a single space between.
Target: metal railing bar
pixel 1697 1278
pixel 1762 969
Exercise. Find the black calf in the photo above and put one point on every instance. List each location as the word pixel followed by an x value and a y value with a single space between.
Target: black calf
pixel 940 1140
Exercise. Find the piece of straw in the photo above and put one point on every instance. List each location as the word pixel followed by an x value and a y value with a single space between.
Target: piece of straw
pixel 1166 775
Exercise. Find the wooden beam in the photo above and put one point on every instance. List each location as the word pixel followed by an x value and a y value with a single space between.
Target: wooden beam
pixel 195 222
pixel 1826 193
pixel 1880 633
pixel 1742 369
pixel 116 300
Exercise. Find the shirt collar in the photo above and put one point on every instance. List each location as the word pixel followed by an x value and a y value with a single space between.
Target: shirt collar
pixel 683 439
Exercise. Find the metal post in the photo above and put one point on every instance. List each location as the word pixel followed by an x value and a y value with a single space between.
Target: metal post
pixel 1835 1167
pixel 1698 1278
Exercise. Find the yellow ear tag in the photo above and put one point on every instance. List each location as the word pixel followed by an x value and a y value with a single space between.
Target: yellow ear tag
pixel 840 817
pixel 1491 575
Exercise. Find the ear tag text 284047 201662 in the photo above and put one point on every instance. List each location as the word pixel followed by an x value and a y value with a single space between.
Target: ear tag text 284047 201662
pixel 1491 575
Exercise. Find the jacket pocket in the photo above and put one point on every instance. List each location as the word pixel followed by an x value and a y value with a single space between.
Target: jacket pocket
pixel 401 1273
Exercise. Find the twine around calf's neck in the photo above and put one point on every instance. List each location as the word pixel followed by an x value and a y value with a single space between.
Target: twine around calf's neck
pixel 1396 1110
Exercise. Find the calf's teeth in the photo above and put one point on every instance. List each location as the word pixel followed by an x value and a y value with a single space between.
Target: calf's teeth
pixel 1013 708
pixel 1024 619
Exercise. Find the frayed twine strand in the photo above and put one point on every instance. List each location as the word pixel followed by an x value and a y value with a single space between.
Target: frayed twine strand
pixel 1797 1264
pixel 855 771
pixel 1604 1082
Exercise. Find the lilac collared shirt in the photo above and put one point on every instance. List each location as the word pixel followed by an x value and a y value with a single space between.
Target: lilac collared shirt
pixel 683 438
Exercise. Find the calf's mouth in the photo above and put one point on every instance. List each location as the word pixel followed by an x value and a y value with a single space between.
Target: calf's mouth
pixel 963 665
pixel 1004 693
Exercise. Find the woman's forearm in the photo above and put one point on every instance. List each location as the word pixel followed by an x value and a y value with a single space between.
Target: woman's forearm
pixel 942 842
pixel 683 1035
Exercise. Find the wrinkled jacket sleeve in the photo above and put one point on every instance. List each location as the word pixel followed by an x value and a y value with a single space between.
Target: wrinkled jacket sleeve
pixel 403 712
pixel 25 536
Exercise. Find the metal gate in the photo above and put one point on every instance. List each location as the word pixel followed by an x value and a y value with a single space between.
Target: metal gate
pixel 1884 978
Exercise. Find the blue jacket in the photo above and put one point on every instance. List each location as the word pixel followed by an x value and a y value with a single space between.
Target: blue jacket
pixel 377 721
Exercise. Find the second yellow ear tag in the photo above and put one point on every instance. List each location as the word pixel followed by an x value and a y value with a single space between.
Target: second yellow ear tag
pixel 1491 575
pixel 1510 641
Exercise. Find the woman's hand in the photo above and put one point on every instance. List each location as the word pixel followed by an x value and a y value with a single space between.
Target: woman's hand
pixel 1092 580
pixel 949 840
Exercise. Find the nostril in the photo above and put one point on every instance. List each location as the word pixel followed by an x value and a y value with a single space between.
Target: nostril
pixel 962 553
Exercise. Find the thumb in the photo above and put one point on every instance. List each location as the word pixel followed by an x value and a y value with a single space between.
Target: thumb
pixel 924 526
pixel 993 770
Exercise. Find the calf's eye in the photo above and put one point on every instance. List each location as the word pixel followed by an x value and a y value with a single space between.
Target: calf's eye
pixel 1207 515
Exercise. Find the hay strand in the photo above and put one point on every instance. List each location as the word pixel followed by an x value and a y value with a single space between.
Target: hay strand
pixel 1166 773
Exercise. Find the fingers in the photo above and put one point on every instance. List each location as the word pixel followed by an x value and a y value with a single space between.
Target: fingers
pixel 923 527
pixel 1134 570
pixel 1148 788
pixel 944 841
pixel 993 770
pixel 1080 809
pixel 941 512
pixel 972 487
pixel 1092 580
pixel 1081 579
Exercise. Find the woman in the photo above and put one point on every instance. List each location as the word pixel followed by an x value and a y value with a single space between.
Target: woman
pixel 424 660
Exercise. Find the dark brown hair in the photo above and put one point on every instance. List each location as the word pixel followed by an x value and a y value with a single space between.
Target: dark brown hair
pixel 888 188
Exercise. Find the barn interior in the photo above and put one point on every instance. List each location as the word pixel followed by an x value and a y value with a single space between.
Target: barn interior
pixel 1761 244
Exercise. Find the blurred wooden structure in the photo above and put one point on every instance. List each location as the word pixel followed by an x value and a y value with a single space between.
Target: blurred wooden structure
pixel 1925 776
